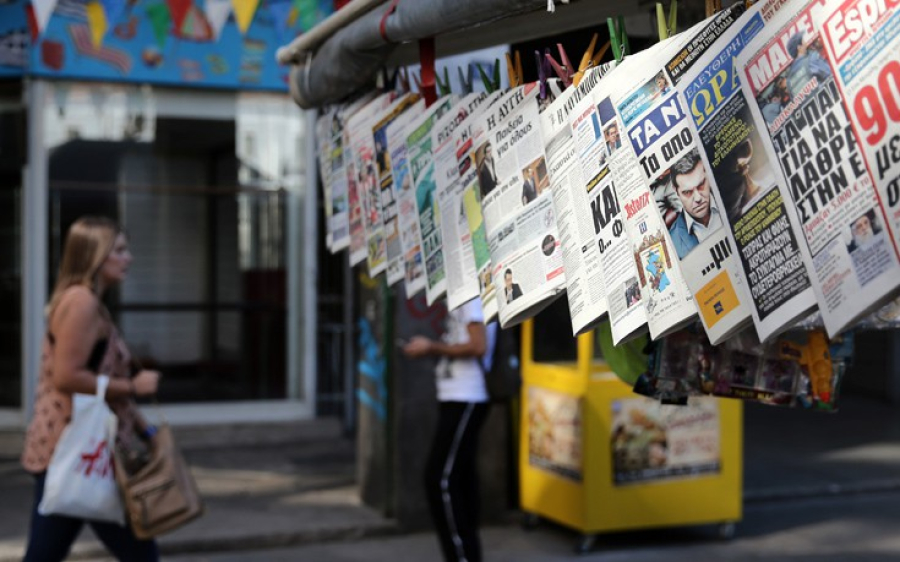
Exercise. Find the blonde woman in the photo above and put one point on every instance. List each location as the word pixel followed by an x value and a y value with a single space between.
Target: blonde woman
pixel 82 342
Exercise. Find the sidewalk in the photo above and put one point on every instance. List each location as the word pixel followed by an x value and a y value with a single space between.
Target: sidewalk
pixel 293 485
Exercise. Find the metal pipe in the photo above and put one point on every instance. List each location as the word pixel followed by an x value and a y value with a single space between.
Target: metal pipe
pixel 308 42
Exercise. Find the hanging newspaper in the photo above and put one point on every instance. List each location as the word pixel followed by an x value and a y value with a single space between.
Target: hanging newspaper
pixel 680 186
pixel 804 127
pixel 391 135
pixel 583 207
pixel 648 118
pixel 721 121
pixel 359 160
pixel 323 154
pixel 863 42
pixel 454 175
pixel 518 207
pixel 376 183
pixel 408 162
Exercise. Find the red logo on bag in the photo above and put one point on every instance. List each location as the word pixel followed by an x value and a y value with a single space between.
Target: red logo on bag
pixel 98 461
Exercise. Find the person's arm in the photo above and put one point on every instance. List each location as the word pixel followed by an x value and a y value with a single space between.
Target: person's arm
pixel 77 326
pixel 420 346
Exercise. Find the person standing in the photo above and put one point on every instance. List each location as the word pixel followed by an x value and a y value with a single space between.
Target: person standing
pixel 451 476
pixel 81 342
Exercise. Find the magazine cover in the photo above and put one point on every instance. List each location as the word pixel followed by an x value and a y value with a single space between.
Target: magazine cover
pixel 410 161
pixel 834 210
pixel 517 206
pixel 461 283
pixel 360 168
pixel 393 136
pixel 582 209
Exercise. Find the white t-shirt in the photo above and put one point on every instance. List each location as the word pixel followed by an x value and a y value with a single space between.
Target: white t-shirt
pixel 462 380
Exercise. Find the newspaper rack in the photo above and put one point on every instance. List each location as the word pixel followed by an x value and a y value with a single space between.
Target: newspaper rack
pixel 573 482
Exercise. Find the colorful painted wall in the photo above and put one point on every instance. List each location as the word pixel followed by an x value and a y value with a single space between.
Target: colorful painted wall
pixel 142 42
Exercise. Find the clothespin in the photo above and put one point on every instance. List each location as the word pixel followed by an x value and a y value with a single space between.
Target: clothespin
pixel 514 71
pixel 465 79
pixel 491 83
pixel 563 68
pixel 618 38
pixel 713 7
pixel 543 69
pixel 589 59
pixel 443 86
pixel 667 27
pixel 402 76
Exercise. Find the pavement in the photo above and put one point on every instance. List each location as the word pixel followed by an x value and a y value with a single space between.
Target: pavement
pixel 293 486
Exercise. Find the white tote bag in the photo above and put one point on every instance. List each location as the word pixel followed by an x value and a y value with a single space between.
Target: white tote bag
pixel 80 481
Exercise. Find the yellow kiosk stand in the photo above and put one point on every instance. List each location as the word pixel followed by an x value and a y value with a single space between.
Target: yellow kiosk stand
pixel 597 458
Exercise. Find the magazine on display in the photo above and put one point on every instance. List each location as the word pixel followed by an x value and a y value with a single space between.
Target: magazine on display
pixel 409 161
pixel 393 137
pixel 454 176
pixel 375 185
pixel 360 168
pixel 863 43
pixel 645 117
pixel 338 197
pixel 323 154
pixel 833 208
pixel 517 206
pixel 680 182
pixel 581 207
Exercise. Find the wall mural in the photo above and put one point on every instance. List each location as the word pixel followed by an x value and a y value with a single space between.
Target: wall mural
pixel 197 43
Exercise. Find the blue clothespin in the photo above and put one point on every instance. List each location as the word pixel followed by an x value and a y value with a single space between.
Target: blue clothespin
pixel 667 27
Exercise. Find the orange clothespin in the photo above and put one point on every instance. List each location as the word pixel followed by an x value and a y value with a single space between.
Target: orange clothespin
pixel 713 7
pixel 514 71
pixel 589 59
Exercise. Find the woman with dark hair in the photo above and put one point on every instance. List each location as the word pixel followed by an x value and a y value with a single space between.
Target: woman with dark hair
pixel 82 342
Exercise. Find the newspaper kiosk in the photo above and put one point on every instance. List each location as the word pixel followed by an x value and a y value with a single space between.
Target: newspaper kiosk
pixel 596 457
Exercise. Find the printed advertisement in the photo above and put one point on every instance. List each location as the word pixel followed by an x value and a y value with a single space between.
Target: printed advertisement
pixel 517 206
pixel 554 432
pixel 652 443
pixel 834 209
pixel 392 137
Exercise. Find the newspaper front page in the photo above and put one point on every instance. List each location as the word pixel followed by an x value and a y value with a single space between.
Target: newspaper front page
pixel 646 118
pixel 720 117
pixel 338 199
pixel 394 139
pixel 453 174
pixel 581 205
pixel 408 161
pixel 803 126
pixel 517 206
pixel 682 188
pixel 323 156
pixel 376 185
pixel 360 167
pixel 863 42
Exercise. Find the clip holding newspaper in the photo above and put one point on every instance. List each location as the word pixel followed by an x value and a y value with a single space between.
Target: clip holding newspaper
pixel 396 215
pixel 519 218
pixel 360 168
pixel 804 127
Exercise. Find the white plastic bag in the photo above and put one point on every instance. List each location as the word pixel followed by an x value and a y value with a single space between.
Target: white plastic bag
pixel 80 481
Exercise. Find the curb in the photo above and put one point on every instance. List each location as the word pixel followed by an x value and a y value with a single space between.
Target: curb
pixel 820 491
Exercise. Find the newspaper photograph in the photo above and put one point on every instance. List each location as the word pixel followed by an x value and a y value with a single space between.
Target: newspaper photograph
pixel 517 206
pixel 578 210
pixel 356 136
pixel 392 136
pixel 719 115
pixel 693 214
pixel 453 175
pixel 647 117
pixel 376 183
pixel 323 158
pixel 863 44
pixel 833 207
pixel 407 164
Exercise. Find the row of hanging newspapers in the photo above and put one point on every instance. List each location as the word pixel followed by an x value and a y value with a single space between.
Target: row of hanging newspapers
pixel 743 172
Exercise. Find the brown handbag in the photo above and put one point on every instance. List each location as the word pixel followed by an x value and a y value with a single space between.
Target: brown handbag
pixel 162 495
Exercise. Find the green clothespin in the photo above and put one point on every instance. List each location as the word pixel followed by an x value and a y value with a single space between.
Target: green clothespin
pixel 618 38
pixel 443 85
pixel 667 28
pixel 491 84
pixel 465 79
